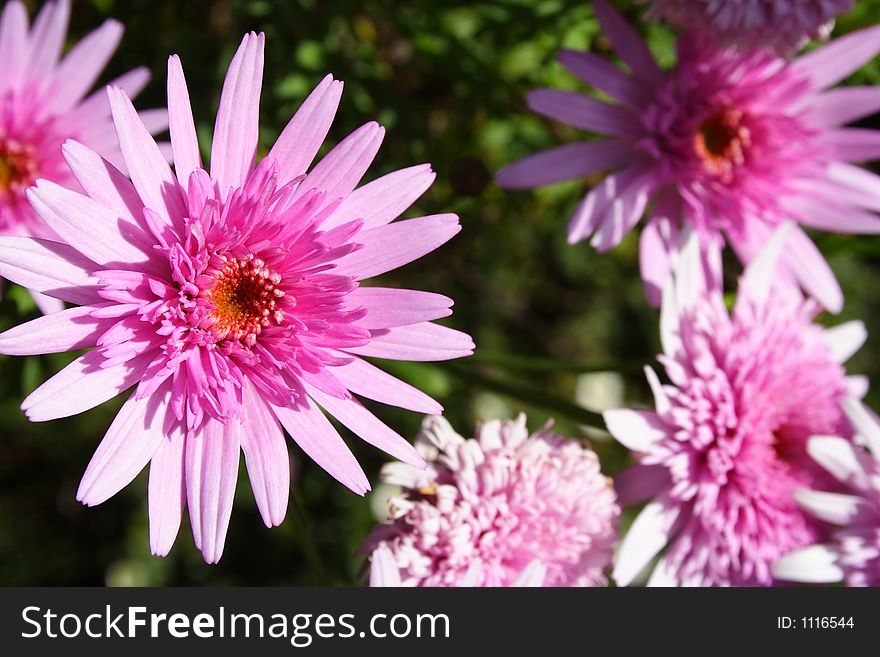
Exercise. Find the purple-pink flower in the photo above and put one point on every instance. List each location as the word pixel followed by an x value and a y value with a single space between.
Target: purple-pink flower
pixel 729 144
pixel 506 508
pixel 231 299
pixel 43 102
pixel 783 25
pixel 853 553
pixel 725 447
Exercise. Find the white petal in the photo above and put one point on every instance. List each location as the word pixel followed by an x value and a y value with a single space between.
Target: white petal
pixel 845 339
pixel 635 430
pixel 815 564
pixel 648 535
pixel 865 422
pixel 835 508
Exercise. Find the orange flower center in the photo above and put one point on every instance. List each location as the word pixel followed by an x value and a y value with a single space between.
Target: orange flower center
pixel 18 166
pixel 245 297
pixel 721 142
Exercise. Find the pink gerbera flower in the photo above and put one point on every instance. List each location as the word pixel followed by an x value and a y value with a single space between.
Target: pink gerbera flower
pixel 726 445
pixel 783 25
pixel 853 553
pixel 504 509
pixel 232 300
pixel 42 103
pixel 730 144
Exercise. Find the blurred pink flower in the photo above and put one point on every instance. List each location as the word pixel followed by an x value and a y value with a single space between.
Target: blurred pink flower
pixel 725 447
pixel 782 25
pixel 504 509
pixel 729 144
pixel 853 553
pixel 42 103
pixel 232 300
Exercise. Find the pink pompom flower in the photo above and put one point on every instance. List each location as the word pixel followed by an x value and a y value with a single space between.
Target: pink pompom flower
pixel 503 509
pixel 728 144
pixel 781 25
pixel 725 447
pixel 853 552
pixel 43 102
pixel 231 300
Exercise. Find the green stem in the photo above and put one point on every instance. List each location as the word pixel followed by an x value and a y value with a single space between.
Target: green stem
pixel 548 364
pixel 526 393
pixel 306 539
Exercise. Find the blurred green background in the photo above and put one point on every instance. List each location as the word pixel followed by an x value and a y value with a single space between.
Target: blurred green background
pixel 447 80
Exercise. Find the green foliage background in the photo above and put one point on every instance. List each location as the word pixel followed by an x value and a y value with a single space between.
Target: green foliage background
pixel 447 79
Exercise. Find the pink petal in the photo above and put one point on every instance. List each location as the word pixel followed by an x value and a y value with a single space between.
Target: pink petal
pixel 266 457
pixel 237 128
pixel 369 381
pixel 605 76
pixel 582 112
pixel 66 330
pixel 359 420
pixel 387 307
pixel 852 144
pixel 184 141
pixel 383 570
pixel 862 186
pixel 532 576
pixel 623 213
pixel 627 42
pixel 211 454
pixel 837 107
pixel 812 271
pixel 104 183
pixel 339 172
pixel 635 430
pixel 148 168
pixel 833 62
pixel 81 67
pixel 591 211
pixel 394 245
pixel 50 268
pixel 166 491
pixel 658 238
pixel 47 305
pixel 99 233
pixel 312 431
pixel 564 163
pixel 98 104
pixel 383 200
pixel 761 273
pixel 134 436
pixel 419 342
pixel 82 385
pixel 302 137
pixel 646 537
pixel 832 215
pixel 639 483
pixel 13 44
pixel 47 38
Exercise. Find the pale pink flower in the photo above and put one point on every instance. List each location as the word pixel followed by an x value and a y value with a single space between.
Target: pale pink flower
pixel 43 102
pixel 384 572
pixel 728 144
pixel 725 447
pixel 783 25
pixel 853 553
pixel 504 509
pixel 232 300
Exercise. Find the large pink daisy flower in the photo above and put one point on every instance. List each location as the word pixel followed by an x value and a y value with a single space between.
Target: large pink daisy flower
pixel 783 25
pixel 43 102
pixel 506 508
pixel 730 144
pixel 232 300
pixel 853 553
pixel 726 445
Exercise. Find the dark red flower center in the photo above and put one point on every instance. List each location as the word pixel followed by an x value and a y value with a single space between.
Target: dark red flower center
pixel 18 166
pixel 721 142
pixel 245 298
